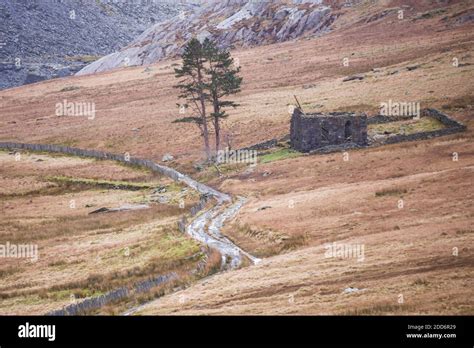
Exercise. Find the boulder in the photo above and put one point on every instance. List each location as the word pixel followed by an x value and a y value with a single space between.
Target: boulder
pixel 167 158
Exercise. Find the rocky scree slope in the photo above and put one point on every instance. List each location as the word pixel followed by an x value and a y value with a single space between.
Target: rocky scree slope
pixel 229 23
pixel 42 39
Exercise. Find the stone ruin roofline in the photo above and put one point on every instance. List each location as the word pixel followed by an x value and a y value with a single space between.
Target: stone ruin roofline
pixel 330 114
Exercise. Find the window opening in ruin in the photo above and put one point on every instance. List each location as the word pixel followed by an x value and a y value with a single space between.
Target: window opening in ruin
pixel 347 131
pixel 324 133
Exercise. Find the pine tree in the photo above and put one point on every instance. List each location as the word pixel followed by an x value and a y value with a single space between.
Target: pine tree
pixel 194 88
pixel 224 82
pixel 208 75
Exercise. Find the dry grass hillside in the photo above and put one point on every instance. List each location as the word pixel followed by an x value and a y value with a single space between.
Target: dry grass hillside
pixel 418 254
pixel 46 202
pixel 313 69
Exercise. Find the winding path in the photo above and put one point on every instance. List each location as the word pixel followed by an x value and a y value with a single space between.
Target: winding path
pixel 206 227
pixel 214 219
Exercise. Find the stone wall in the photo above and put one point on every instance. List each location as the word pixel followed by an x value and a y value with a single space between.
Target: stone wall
pixel 267 145
pixel 93 303
pixel 183 222
pixel 169 172
pixel 452 126
pixel 262 146
pixel 443 118
pixel 438 115
pixel 378 119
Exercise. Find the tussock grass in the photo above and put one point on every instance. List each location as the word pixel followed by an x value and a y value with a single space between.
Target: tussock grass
pixel 172 253
pixel 123 185
pixel 391 192
pixel 211 172
pixel 9 271
pixel 19 232
pixel 379 309
pixel 421 282
pixel 265 243
pixel 70 89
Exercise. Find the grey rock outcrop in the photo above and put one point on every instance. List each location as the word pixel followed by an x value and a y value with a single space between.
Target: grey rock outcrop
pixel 230 23
pixel 43 39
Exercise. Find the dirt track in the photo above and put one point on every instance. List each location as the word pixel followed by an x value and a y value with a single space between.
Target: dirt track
pixel 313 200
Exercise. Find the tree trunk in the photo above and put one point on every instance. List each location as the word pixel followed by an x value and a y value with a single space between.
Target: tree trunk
pixel 205 131
pixel 217 125
pixel 218 131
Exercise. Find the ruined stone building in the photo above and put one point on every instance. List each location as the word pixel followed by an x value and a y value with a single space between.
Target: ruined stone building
pixel 312 131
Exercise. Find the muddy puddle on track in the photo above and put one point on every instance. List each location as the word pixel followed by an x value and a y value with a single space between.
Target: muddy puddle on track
pixel 206 228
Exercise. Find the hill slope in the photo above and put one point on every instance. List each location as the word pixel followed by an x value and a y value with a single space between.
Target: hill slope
pixel 49 39
pixel 408 251
pixel 230 23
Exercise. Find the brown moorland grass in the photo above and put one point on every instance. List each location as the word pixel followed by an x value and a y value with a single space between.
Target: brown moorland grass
pixel 422 250
pixel 82 255
pixel 131 98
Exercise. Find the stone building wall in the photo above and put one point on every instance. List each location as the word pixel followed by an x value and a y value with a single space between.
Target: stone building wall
pixel 312 131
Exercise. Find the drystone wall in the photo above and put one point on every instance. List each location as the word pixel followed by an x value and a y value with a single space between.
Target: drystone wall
pixel 452 126
pixel 169 172
pixel 183 222
pixel 378 119
pixel 93 303
pixel 268 144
